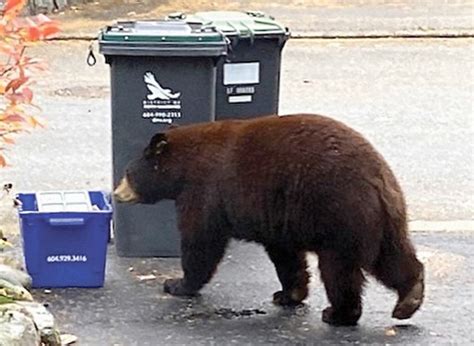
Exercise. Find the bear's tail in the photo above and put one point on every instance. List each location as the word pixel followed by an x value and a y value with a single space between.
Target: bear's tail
pixel 396 265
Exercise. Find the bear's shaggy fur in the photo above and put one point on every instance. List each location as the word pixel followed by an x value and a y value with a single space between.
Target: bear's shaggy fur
pixel 293 184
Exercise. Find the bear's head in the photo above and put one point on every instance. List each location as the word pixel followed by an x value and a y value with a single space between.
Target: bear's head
pixel 147 179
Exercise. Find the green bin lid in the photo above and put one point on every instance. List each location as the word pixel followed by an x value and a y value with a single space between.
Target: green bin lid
pixel 162 38
pixel 234 23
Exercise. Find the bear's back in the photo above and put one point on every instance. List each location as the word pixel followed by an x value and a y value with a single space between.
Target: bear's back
pixel 303 144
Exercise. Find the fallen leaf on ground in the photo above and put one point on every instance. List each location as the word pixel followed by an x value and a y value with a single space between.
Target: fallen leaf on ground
pixel 146 277
pixel 68 339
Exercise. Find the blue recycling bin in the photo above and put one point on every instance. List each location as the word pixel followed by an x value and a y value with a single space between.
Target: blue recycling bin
pixel 65 247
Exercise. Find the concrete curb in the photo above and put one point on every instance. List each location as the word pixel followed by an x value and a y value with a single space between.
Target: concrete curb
pixel 326 35
pixel 381 35
pixel 441 226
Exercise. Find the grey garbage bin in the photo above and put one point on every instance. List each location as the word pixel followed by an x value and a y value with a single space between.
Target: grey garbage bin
pixel 248 80
pixel 161 73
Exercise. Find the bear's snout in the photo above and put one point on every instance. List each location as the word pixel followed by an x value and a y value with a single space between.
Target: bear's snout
pixel 124 192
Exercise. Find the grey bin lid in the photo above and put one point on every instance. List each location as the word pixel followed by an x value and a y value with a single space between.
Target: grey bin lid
pixel 162 38
pixel 237 24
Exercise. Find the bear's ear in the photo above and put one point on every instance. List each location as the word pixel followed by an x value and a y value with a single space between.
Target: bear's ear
pixel 160 146
pixel 157 144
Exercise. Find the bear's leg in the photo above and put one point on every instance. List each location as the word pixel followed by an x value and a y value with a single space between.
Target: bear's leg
pixel 291 269
pixel 199 260
pixel 343 280
pixel 204 237
pixel 399 269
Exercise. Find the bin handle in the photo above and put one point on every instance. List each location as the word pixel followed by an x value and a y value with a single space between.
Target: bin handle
pixel 258 14
pixel 176 16
pixel 230 49
pixel 285 38
pixel 251 32
pixel 237 31
pixel 70 221
pixel 91 59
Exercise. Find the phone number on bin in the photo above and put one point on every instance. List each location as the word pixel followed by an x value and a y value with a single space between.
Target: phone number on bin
pixel 66 258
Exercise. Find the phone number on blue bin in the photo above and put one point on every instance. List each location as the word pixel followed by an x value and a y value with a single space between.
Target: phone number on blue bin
pixel 66 258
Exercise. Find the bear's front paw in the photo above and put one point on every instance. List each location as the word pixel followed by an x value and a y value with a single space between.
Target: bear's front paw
pixel 339 318
pixel 176 287
pixel 284 298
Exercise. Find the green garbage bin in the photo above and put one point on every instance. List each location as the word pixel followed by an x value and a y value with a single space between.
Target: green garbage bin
pixel 161 73
pixel 248 81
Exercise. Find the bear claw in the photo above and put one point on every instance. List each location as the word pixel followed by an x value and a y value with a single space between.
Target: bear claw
pixel 176 287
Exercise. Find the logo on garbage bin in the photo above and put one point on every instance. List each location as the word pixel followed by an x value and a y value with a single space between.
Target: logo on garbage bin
pixel 161 105
pixel 156 90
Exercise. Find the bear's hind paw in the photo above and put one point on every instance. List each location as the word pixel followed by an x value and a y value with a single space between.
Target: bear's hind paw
pixel 407 306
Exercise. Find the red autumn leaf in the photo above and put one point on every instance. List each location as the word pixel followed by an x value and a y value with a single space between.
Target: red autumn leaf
pixel 17 68
pixel 49 29
pixel 27 94
pixel 15 98
pixel 24 96
pixel 13 5
pixel 33 33
pixel 15 84
pixel 14 118
pixel 21 70
pixel 46 26
pixel 3 162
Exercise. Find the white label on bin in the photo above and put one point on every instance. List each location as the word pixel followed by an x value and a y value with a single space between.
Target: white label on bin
pixel 242 73
pixel 66 258
pixel 161 105
pixel 240 99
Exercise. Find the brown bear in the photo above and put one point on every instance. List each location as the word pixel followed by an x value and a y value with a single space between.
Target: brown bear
pixel 294 184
